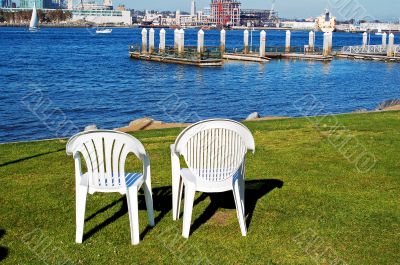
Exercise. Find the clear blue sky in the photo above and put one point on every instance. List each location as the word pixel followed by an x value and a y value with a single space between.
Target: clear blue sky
pixel 382 9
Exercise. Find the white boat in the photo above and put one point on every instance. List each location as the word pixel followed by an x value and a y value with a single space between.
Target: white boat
pixel 103 31
pixel 379 32
pixel 34 24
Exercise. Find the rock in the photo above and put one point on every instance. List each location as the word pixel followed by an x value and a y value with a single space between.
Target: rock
pixel 91 127
pixel 253 116
pixel 362 110
pixel 388 104
pixel 149 124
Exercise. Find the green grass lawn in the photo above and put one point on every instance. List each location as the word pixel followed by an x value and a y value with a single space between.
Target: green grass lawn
pixel 306 202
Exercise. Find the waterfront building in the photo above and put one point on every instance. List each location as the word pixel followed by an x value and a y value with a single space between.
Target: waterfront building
pixel 296 25
pixel 103 16
pixel 258 18
pixel 207 11
pixel 225 12
pixel 6 3
pixel 70 4
pixel 53 4
pixel 29 4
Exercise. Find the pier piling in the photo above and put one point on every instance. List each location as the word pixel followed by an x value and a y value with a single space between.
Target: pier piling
pixel 200 41
pixel 287 43
pixel 246 42
pixel 162 41
pixel 176 37
pixel 390 48
pixel 223 41
pixel 365 39
pixel 144 40
pixel 151 41
pixel 325 51
pixel 263 40
pixel 181 41
pixel 384 40
pixel 330 42
pixel 311 40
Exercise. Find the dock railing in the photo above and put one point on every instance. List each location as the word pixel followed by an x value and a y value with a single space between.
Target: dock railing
pixel 276 50
pixel 189 53
pixel 370 49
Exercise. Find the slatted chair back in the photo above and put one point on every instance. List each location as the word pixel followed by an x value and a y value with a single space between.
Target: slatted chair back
pixel 105 153
pixel 214 150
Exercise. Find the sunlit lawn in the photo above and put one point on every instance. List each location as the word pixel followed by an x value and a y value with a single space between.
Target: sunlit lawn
pixel 306 202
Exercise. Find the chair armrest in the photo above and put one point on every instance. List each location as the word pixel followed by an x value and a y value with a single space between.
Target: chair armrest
pixel 78 168
pixel 175 161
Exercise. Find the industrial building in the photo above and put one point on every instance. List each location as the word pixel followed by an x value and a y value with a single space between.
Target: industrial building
pixel 225 12
pixel 258 18
pixel 47 4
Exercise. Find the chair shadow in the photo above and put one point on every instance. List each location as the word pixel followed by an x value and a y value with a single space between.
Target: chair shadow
pixel 254 190
pixel 3 250
pixel 30 157
pixel 162 203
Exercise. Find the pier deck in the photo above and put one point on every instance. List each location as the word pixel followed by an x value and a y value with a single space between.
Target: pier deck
pixel 190 56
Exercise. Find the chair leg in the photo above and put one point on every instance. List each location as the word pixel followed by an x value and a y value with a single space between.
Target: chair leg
pixel 188 208
pixel 180 191
pixel 133 209
pixel 239 201
pixel 149 202
pixel 81 194
pixel 176 191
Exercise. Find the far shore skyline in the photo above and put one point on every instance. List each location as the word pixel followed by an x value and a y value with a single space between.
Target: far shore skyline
pixel 342 9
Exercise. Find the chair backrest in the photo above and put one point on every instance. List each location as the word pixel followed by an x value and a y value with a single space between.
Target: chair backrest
pixel 215 149
pixel 105 152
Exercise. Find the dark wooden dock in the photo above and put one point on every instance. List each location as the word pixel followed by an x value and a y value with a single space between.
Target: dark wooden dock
pixel 190 56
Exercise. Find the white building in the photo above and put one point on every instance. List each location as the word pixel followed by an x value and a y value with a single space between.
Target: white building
pixel 103 16
pixel 298 25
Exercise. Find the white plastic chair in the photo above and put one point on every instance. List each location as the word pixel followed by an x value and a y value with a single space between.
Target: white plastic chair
pixel 105 153
pixel 214 151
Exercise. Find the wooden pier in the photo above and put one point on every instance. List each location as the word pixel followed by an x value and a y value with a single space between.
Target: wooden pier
pixel 204 56
pixel 170 55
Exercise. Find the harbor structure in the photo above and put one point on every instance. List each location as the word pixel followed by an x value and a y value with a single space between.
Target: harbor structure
pixel 199 55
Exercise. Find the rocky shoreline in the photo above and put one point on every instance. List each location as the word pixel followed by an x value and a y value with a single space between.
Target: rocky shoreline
pixel 151 124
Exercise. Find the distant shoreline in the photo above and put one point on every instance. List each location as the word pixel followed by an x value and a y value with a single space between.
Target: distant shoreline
pixel 77 25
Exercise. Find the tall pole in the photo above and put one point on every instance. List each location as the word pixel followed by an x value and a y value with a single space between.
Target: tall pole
pixel 151 41
pixel 223 41
pixel 263 40
pixel 246 42
pixel 162 41
pixel 144 40
pixel 287 43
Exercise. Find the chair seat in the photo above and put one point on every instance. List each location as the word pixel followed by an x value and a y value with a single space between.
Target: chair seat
pixel 206 186
pixel 131 179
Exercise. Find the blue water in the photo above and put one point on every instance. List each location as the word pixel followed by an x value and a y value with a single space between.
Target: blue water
pixel 57 81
